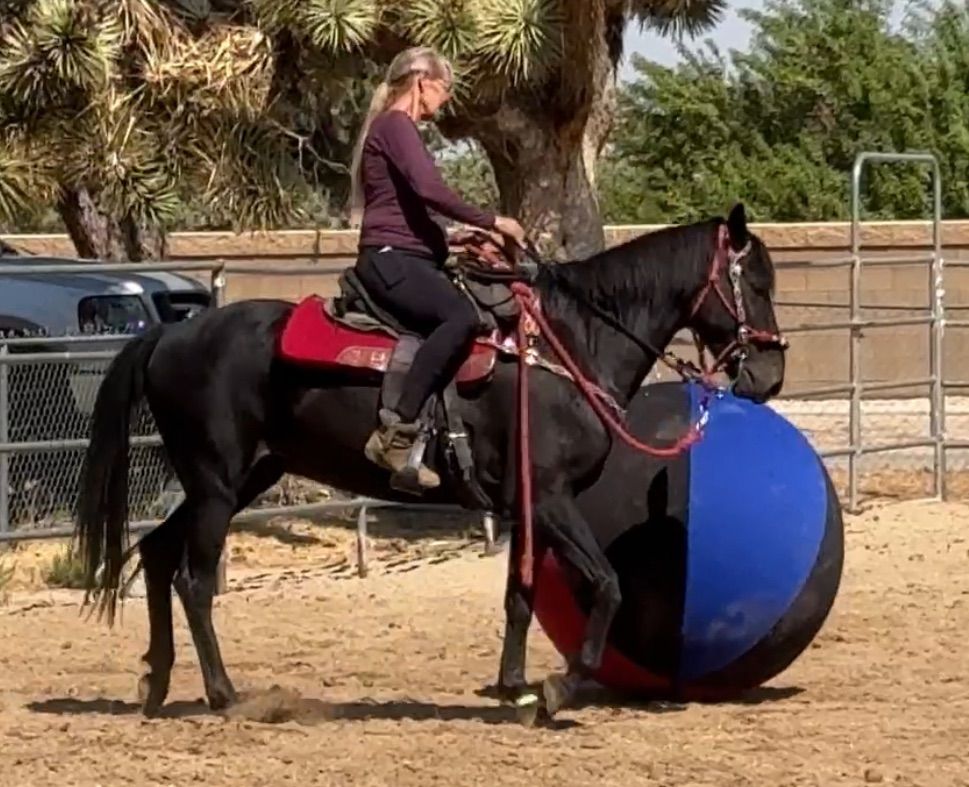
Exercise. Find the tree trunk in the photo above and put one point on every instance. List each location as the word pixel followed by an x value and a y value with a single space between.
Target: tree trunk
pixel 546 179
pixel 544 159
pixel 143 243
pixel 97 236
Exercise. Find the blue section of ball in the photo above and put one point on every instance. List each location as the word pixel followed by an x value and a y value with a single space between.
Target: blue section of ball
pixel 757 510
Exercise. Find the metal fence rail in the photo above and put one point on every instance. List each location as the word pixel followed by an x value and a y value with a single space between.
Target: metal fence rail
pixel 46 395
pixel 857 387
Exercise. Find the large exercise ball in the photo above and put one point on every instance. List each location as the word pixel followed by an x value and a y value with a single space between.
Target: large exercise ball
pixel 729 556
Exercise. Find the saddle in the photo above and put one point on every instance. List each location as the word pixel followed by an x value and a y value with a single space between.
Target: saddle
pixel 351 332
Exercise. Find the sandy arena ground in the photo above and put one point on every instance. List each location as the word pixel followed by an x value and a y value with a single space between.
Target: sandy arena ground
pixel 378 678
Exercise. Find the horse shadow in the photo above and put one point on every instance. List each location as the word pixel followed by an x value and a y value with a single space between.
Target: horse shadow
pixel 71 706
pixel 279 705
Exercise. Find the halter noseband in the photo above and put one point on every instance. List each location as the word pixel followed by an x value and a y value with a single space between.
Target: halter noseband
pixel 746 335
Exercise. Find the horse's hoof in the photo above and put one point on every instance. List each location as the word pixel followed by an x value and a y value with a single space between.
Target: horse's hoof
pixel 508 694
pixel 529 709
pixel 222 698
pixel 557 691
pixel 150 696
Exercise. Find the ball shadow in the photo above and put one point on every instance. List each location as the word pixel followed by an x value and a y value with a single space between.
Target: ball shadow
pixel 593 695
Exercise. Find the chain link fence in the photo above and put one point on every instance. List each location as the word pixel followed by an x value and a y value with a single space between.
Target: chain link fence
pixel 48 386
pixel 48 389
pixel 46 399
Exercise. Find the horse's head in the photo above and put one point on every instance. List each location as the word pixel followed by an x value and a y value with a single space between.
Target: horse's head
pixel 732 314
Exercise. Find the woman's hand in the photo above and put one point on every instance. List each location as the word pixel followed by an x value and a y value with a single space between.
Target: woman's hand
pixel 510 228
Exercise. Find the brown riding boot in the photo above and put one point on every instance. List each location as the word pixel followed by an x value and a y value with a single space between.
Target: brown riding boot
pixel 390 444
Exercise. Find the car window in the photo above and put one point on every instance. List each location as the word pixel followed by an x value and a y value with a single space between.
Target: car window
pixel 111 314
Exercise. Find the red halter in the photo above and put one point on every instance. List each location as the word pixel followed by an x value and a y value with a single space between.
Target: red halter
pixel 746 334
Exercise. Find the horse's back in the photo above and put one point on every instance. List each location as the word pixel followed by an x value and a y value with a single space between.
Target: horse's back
pixel 217 330
pixel 220 357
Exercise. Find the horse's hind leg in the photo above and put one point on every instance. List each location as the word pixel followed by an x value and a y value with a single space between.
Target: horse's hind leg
pixel 161 551
pixel 196 584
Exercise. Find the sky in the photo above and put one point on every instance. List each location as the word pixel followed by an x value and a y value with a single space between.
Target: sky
pixel 732 33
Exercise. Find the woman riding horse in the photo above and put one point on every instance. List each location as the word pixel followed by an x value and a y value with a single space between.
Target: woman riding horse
pixel 402 248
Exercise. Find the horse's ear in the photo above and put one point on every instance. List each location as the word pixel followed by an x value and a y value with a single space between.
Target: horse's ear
pixel 737 224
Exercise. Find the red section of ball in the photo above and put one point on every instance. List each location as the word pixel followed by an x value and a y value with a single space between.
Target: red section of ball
pixel 564 624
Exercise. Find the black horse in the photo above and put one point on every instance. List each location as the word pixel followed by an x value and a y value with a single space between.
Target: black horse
pixel 234 418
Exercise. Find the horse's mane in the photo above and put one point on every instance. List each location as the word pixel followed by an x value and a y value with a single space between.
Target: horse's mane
pixel 645 271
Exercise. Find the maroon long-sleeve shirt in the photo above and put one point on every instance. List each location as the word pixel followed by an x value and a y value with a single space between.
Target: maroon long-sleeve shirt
pixel 402 185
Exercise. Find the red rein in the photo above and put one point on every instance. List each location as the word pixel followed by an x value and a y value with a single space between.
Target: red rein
pixel 524 454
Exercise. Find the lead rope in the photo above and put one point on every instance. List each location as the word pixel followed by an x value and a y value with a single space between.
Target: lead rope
pixel 524 454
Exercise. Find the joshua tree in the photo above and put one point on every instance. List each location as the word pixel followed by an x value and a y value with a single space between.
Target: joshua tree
pixel 120 113
pixel 123 112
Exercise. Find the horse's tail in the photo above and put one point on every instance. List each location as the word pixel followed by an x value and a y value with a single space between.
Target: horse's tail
pixel 102 506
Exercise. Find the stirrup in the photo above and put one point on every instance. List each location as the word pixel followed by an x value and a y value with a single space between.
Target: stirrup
pixel 412 437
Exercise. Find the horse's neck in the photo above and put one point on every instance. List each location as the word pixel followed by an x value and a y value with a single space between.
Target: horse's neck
pixel 611 360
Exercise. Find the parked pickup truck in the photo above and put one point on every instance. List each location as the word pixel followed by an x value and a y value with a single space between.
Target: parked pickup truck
pixel 48 400
pixel 72 304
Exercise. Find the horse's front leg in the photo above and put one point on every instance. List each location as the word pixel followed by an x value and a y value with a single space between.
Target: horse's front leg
pixel 562 527
pixel 519 603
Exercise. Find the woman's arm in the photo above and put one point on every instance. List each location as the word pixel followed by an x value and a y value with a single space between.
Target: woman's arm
pixel 400 139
